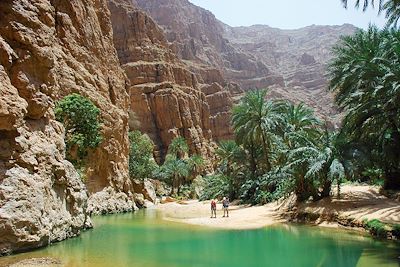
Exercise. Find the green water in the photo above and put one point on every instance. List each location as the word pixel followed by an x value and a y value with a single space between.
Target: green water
pixel 143 239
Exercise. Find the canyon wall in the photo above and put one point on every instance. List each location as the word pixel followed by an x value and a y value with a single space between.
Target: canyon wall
pixel 291 63
pixel 49 49
pixel 166 97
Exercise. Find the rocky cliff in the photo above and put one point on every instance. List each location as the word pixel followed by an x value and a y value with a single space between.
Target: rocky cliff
pixel 49 49
pixel 292 63
pixel 166 97
pixel 197 37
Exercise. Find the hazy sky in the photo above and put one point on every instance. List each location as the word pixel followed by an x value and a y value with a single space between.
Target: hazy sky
pixel 289 14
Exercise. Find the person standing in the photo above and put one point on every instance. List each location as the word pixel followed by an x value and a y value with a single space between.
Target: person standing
pixel 213 209
pixel 225 206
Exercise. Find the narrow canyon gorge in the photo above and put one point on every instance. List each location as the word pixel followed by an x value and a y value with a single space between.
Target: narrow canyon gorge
pixel 166 68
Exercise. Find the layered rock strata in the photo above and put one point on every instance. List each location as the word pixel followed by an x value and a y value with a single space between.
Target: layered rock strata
pixel 49 49
pixel 301 56
pixel 197 37
pixel 166 99
pixel 291 63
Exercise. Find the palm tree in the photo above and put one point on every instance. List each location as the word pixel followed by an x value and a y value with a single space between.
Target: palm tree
pixel 301 124
pixel 196 165
pixel 365 77
pixel 227 152
pixel 255 122
pixel 316 165
pixel 178 147
pixel 391 8
pixel 366 4
pixel 175 171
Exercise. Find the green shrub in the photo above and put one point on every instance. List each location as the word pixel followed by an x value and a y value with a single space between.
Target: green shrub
pixel 141 160
pixel 396 231
pixel 215 186
pixel 81 119
pixel 376 227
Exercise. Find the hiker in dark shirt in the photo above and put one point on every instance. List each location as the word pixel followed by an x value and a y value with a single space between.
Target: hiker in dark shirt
pixel 225 206
pixel 213 209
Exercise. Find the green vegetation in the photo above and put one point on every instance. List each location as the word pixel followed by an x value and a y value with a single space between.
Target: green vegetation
pixel 280 148
pixel 396 231
pixel 376 227
pixel 365 77
pixel 141 160
pixel 179 169
pixel 81 119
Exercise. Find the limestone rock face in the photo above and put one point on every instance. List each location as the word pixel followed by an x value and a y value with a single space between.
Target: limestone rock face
pixel 49 49
pixel 166 100
pixel 42 198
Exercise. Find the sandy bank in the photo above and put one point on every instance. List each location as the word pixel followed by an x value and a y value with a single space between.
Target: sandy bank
pixel 355 204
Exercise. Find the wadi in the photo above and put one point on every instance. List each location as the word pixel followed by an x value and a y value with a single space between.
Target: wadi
pixel 154 133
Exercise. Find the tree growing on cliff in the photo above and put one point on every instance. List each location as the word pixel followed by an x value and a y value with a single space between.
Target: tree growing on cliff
pixel 81 119
pixel 141 160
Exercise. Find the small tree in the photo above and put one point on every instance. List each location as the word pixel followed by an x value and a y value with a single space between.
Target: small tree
pixel 178 147
pixel 196 165
pixel 81 119
pixel 178 169
pixel 141 160
pixel 175 171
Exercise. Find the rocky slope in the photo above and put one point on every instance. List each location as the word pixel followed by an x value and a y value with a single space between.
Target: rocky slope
pixel 300 56
pixel 49 49
pixel 291 63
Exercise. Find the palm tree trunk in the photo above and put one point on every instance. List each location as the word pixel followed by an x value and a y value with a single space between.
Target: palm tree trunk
pixel 173 185
pixel 253 163
pixel 266 153
pixel 392 180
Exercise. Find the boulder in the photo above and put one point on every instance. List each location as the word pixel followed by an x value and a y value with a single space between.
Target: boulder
pixel 145 188
pixel 139 199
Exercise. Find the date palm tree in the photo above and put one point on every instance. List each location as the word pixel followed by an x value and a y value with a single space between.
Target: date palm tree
pixel 301 125
pixel 178 147
pixel 227 152
pixel 195 165
pixel 315 167
pixel 255 122
pixel 390 7
pixel 366 4
pixel 175 172
pixel 365 76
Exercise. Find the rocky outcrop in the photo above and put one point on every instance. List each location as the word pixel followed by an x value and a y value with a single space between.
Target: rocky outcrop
pixel 166 100
pixel 49 49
